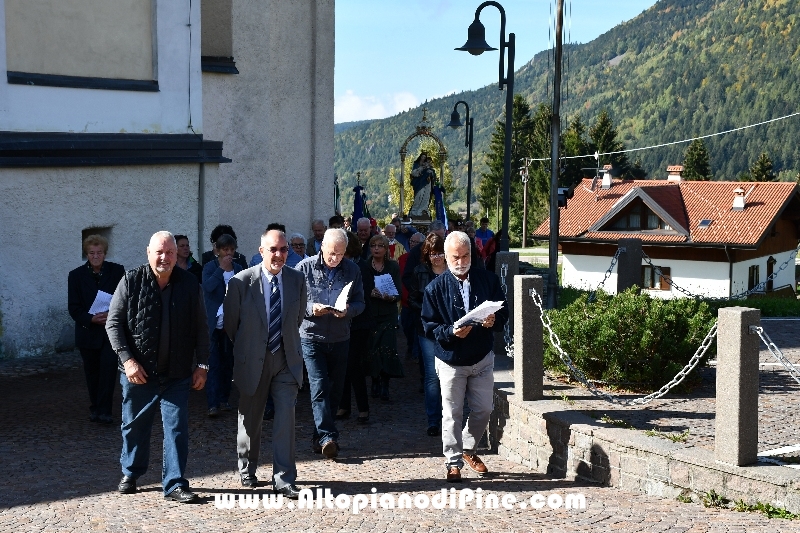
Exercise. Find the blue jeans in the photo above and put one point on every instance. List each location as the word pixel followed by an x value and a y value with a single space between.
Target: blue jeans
pixel 220 368
pixel 139 404
pixel 326 363
pixel 433 391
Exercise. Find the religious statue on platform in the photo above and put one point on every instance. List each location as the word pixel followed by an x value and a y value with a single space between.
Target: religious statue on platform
pixel 422 177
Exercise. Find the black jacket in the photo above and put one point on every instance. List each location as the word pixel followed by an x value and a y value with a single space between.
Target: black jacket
pixel 82 287
pixel 442 305
pixel 134 321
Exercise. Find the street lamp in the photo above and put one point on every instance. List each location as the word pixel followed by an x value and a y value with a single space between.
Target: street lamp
pixel 476 45
pixel 455 122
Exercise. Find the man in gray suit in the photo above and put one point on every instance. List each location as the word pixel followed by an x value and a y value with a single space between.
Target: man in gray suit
pixel 263 310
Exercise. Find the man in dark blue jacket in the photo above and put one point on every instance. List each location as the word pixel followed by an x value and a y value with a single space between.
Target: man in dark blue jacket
pixel 464 356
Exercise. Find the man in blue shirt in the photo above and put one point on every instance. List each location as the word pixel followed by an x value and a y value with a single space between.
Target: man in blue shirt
pixel 484 233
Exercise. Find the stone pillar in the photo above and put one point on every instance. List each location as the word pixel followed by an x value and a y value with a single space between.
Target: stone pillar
pixel 528 339
pixel 629 264
pixel 736 431
pixel 512 260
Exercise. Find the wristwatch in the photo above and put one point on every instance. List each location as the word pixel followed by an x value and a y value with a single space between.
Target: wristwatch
pixel 204 367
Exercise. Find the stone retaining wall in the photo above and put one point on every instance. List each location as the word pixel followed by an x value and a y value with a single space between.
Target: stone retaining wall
pixel 548 437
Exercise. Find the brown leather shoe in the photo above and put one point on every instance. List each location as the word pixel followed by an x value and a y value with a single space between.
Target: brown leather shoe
pixel 454 474
pixel 475 463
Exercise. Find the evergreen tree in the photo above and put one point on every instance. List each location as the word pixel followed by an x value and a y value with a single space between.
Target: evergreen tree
pixel 604 139
pixel 696 166
pixel 762 169
pixel 522 127
pixel 574 143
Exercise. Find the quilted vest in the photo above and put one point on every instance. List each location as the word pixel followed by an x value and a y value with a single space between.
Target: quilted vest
pixel 144 319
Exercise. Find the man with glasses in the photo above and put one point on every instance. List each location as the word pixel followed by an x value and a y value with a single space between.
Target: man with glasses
pixel 263 310
pixel 464 357
pixel 297 244
pixel 325 333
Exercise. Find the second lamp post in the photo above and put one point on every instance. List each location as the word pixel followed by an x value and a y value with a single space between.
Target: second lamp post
pixel 455 122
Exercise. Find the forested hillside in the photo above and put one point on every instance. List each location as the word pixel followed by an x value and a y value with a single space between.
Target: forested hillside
pixel 681 69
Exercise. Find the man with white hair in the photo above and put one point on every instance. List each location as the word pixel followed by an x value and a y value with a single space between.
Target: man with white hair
pixel 157 326
pixel 325 332
pixel 395 248
pixel 364 233
pixel 464 357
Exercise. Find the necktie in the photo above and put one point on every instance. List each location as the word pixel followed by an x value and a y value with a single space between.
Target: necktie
pixel 274 316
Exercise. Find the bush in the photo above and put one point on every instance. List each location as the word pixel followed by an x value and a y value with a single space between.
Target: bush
pixel 631 338
pixel 769 306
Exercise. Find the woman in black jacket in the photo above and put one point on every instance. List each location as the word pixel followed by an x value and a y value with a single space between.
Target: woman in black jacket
pixel 432 264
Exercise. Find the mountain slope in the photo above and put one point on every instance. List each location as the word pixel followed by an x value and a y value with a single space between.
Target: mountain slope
pixel 681 69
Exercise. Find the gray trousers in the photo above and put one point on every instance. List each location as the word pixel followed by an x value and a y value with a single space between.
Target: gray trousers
pixel 476 383
pixel 277 381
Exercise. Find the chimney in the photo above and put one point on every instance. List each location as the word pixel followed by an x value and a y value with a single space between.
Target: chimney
pixel 606 183
pixel 674 173
pixel 738 199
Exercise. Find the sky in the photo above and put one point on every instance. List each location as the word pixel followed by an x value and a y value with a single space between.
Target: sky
pixel 392 55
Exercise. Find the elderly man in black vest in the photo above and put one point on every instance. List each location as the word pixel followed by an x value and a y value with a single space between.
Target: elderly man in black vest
pixel 156 325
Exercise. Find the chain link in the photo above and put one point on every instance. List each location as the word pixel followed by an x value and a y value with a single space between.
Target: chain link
pixel 614 260
pixel 777 353
pixel 507 337
pixel 761 287
pixel 581 377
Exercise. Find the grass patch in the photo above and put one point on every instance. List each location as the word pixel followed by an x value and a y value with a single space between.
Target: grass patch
pixel 770 511
pixel 674 437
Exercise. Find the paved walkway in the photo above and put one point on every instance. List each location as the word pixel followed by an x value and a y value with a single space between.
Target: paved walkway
pixel 59 473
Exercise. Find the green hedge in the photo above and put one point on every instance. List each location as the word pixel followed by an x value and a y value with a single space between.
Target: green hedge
pixel 630 339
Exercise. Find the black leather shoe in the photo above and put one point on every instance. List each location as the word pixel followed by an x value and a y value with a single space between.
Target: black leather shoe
pixel 182 495
pixel 127 485
pixel 289 491
pixel 316 447
pixel 434 431
pixel 250 481
pixel 105 419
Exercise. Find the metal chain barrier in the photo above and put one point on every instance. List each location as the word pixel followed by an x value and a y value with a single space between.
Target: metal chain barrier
pixel 614 260
pixel 507 337
pixel 776 352
pixel 581 377
pixel 758 288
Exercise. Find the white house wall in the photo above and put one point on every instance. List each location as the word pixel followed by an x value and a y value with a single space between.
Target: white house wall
pixel 741 271
pixel 698 277
pixel 43 215
pixel 275 118
pixel 36 108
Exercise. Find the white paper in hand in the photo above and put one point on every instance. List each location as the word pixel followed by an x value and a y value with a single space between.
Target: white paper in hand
pixel 101 304
pixel 385 285
pixel 478 315
pixel 341 301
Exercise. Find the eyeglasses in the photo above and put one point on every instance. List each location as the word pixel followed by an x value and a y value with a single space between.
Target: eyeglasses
pixel 436 256
pixel 275 249
pixel 298 245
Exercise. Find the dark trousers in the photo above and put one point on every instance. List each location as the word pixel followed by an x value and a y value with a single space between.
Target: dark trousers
pixel 356 376
pixel 220 369
pixel 326 363
pixel 100 367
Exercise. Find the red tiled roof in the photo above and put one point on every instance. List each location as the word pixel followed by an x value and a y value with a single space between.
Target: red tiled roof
pixel 688 202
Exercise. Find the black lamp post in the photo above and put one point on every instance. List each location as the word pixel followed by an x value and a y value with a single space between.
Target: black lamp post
pixel 476 45
pixel 455 122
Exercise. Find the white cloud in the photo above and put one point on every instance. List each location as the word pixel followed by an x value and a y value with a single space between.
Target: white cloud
pixel 350 106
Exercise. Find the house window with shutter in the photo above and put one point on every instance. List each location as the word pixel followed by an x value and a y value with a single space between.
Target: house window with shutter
pixel 653 278
pixel 753 278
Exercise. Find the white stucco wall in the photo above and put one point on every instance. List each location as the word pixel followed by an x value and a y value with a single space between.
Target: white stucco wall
pixel 697 277
pixel 43 214
pixel 275 118
pixel 741 271
pixel 35 108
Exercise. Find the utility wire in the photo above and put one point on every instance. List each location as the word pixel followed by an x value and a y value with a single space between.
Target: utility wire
pixel 673 142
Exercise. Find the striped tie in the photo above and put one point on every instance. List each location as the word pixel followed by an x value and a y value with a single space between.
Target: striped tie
pixel 274 316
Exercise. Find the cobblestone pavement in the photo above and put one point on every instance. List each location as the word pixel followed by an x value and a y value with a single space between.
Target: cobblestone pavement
pixel 778 401
pixel 59 473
